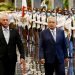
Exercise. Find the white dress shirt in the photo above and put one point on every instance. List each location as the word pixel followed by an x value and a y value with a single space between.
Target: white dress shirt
pixel 53 32
pixel 6 33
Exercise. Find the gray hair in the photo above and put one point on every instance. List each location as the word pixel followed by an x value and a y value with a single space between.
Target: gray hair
pixel 4 14
pixel 51 17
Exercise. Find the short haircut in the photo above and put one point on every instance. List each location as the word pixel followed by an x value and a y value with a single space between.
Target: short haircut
pixel 51 17
pixel 4 14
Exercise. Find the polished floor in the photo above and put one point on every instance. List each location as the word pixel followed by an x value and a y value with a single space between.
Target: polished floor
pixel 33 68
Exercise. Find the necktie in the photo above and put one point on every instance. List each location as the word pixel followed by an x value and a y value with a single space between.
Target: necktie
pixel 54 35
pixel 6 34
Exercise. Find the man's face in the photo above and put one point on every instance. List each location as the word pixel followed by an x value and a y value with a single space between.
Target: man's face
pixel 51 23
pixel 4 21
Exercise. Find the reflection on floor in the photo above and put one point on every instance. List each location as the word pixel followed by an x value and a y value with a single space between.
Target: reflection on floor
pixel 34 68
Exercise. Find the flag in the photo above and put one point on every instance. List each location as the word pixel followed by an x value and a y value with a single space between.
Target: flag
pixel 24 7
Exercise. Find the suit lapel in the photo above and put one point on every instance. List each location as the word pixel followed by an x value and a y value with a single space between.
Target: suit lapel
pixel 57 34
pixel 10 35
pixel 50 35
pixel 2 36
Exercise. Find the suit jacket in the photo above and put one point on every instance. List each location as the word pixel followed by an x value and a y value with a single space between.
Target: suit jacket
pixel 49 49
pixel 9 50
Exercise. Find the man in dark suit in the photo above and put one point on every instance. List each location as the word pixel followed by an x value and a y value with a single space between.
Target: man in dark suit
pixel 52 49
pixel 9 38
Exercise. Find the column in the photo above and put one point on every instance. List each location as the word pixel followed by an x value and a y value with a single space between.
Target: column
pixel 71 4
pixel 52 2
pixel 32 4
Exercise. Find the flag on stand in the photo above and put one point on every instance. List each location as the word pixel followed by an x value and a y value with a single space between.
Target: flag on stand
pixel 24 7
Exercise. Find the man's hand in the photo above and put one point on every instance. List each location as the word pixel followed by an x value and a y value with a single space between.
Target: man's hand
pixel 66 60
pixel 42 61
pixel 23 65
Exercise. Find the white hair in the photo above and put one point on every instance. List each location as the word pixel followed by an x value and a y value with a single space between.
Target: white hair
pixel 4 14
pixel 51 17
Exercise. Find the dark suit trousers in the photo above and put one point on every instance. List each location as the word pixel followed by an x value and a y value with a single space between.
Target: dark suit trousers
pixel 56 67
pixel 7 67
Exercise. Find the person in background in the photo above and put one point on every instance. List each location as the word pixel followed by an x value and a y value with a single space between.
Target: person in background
pixel 9 38
pixel 69 44
pixel 52 49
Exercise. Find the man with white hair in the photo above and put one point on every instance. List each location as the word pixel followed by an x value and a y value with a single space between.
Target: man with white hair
pixel 9 38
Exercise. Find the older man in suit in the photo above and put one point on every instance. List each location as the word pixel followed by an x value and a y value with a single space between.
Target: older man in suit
pixel 9 38
pixel 52 49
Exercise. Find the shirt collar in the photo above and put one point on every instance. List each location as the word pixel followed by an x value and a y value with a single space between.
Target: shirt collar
pixel 53 29
pixel 5 28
